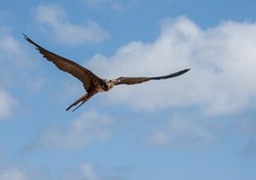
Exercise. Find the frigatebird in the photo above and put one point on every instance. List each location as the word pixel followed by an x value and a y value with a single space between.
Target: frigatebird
pixel 91 82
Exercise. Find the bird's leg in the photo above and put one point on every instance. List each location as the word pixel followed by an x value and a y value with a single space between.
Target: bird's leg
pixel 84 98
pixel 77 101
pixel 78 106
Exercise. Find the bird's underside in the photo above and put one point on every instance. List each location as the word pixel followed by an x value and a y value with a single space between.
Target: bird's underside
pixel 91 82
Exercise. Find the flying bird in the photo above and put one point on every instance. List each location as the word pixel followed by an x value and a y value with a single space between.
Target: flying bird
pixel 91 82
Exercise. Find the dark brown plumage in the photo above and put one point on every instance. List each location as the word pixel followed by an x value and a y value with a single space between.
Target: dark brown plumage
pixel 92 83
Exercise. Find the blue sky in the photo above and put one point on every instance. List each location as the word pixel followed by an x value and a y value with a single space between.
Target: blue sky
pixel 198 126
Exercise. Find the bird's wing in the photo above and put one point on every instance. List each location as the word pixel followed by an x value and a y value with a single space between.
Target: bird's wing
pixel 66 65
pixel 137 80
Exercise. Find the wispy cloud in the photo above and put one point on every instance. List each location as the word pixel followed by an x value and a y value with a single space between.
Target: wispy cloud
pixel 15 72
pixel 13 61
pixel 13 173
pixel 54 19
pixel 89 127
pixel 7 104
pixel 90 171
pixel 20 173
pixel 84 171
pixel 115 5
pixel 221 58
pixel 186 130
pixel 14 58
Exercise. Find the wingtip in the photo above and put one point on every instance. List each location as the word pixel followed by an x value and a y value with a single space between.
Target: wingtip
pixel 186 70
pixel 25 36
pixel 30 41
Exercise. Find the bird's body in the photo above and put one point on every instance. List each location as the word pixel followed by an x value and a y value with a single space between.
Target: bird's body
pixel 92 83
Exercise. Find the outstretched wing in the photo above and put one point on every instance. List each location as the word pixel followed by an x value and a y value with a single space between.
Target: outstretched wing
pixel 66 65
pixel 137 80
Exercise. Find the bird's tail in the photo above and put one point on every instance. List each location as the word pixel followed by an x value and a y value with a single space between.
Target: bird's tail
pixel 82 99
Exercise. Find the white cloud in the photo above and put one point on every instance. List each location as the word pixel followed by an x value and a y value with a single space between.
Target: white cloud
pixel 20 173
pixel 186 130
pixel 54 19
pixel 84 171
pixel 7 103
pixel 221 58
pixel 13 58
pixel 89 171
pixel 90 126
pixel 14 71
pixel 13 174
pixel 10 59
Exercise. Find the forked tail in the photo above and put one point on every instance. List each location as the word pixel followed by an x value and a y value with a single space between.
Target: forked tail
pixel 82 99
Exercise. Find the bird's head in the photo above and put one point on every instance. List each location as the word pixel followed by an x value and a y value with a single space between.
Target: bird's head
pixel 110 83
